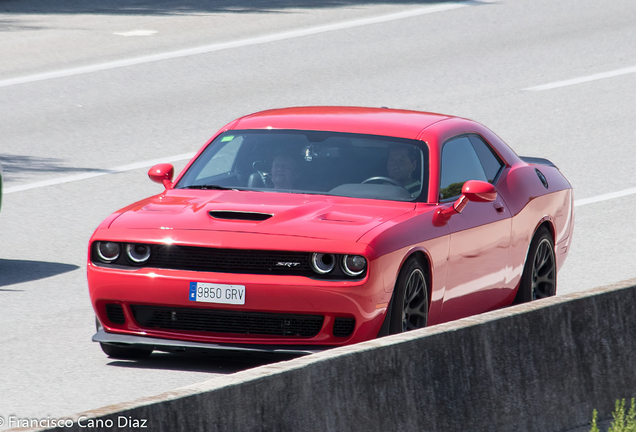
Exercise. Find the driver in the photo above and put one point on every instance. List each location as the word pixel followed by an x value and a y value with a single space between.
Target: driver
pixel 401 165
pixel 285 172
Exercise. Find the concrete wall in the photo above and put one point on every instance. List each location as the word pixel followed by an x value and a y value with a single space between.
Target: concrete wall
pixel 542 366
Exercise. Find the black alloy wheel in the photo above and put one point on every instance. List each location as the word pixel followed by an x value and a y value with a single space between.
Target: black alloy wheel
pixel 409 307
pixel 539 273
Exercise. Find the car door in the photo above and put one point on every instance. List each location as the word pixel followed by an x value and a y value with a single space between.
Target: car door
pixel 479 235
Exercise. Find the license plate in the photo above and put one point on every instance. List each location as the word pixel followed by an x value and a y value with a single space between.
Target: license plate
pixel 217 293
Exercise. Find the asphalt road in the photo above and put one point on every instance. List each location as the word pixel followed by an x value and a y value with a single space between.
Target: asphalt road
pixel 93 86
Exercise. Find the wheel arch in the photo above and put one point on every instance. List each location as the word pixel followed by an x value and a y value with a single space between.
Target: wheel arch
pixel 422 256
pixel 548 223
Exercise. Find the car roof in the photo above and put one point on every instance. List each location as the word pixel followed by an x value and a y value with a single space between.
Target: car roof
pixel 373 121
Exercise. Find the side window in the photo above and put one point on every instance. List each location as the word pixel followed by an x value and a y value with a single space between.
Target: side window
pixel 460 163
pixel 491 163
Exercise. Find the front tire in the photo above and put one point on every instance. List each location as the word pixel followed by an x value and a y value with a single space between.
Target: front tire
pixel 538 279
pixel 409 307
pixel 121 352
pixel 125 353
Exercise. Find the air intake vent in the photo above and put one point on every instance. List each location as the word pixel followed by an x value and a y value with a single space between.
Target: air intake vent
pixel 220 321
pixel 343 327
pixel 238 215
pixel 115 313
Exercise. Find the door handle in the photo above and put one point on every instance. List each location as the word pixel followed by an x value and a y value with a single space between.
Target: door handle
pixel 499 207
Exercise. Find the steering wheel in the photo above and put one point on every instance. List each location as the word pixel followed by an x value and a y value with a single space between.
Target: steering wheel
pixel 382 178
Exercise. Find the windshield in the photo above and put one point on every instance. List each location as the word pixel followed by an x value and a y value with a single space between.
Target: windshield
pixel 315 162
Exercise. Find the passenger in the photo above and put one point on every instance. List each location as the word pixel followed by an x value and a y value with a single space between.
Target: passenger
pixel 401 165
pixel 285 172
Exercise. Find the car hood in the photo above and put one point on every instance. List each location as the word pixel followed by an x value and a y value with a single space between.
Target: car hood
pixel 285 214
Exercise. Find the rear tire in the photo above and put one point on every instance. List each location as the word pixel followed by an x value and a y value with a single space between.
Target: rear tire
pixel 539 276
pixel 409 306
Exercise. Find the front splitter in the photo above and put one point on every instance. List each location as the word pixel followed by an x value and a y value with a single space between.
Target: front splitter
pixel 171 345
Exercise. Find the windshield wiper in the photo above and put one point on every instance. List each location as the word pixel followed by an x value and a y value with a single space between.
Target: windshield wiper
pixel 215 187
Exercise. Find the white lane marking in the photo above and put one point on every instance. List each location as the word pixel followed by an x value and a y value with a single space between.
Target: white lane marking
pixel 605 197
pixel 84 176
pixel 580 80
pixel 136 33
pixel 237 44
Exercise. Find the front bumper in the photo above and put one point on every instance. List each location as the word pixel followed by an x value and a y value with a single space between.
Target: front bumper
pixel 165 293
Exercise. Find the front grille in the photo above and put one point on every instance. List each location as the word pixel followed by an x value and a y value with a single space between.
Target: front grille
pixel 229 260
pixel 343 327
pixel 115 313
pixel 218 321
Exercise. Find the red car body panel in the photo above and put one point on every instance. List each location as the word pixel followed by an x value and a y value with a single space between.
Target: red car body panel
pixel 475 260
pixel 313 217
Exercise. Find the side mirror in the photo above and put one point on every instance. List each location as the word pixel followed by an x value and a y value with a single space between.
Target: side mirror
pixel 162 174
pixel 479 191
pixel 473 190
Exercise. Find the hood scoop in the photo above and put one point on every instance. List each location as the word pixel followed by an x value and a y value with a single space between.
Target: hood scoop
pixel 239 215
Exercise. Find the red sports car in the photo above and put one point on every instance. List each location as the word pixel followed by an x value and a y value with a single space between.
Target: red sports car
pixel 300 229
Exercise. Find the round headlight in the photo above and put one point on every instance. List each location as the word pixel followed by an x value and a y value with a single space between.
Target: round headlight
pixel 322 263
pixel 108 251
pixel 138 253
pixel 354 265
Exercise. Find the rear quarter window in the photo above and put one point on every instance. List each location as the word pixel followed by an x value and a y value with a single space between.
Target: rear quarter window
pixel 489 161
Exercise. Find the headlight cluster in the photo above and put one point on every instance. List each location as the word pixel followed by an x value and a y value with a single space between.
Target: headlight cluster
pixel 316 265
pixel 109 252
pixel 351 265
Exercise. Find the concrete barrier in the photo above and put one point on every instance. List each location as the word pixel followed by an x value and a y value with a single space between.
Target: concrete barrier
pixel 542 366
